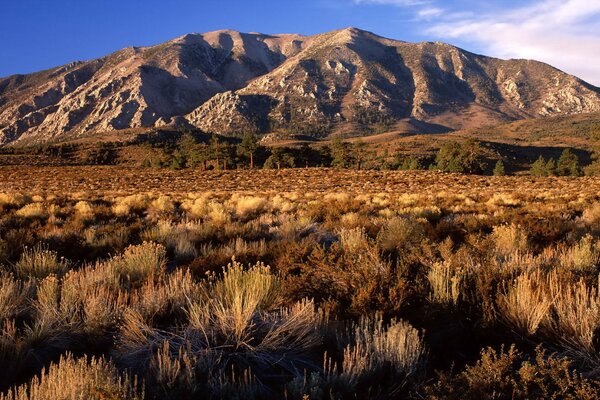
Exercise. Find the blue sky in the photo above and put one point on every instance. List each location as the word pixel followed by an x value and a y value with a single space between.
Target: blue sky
pixel 38 34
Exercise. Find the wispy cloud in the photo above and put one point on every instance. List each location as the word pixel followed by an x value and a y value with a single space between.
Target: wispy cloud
pixel 563 33
pixel 429 13
pixel 400 3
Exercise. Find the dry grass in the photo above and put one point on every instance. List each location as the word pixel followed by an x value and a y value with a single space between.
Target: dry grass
pixel 82 378
pixel 133 279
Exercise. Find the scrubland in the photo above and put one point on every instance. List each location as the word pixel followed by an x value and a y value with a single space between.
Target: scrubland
pixel 298 284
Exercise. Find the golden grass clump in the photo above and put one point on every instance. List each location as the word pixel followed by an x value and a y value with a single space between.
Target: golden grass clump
pixel 583 256
pixel 576 314
pixel 140 261
pixel 14 297
pixel 83 378
pixel 125 205
pixel 248 206
pixel 39 262
pixel 445 282
pixel 374 346
pixel 509 239
pixel 525 303
pixel 32 210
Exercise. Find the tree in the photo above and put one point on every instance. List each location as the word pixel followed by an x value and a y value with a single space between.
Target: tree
pixel 359 153
pixel 248 147
pixel 568 164
pixel 539 167
pixel 594 168
pixel 216 150
pixel 178 161
pixel 341 156
pixel 499 169
pixel 280 158
pixel 466 157
pixel 305 155
pixel 551 167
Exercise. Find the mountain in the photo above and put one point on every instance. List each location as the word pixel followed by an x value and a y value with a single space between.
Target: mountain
pixel 342 81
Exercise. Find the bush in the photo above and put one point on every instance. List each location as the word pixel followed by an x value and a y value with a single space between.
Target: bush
pixel 39 262
pixel 512 375
pixel 139 262
pixel 83 378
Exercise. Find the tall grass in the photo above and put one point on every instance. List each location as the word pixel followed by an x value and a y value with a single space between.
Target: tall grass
pixel 83 378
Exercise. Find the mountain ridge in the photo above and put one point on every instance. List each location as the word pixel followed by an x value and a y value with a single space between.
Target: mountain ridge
pixel 230 82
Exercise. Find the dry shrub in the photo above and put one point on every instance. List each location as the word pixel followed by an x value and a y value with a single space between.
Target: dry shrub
pixel 12 200
pixel 513 375
pixel 93 295
pixel 582 256
pixel 217 213
pixel 234 322
pixel 509 239
pixel 248 206
pixel 375 347
pixel 445 281
pixel 72 379
pixel 85 211
pixel 179 238
pixel 591 214
pixel 163 204
pixel 576 315
pixel 354 240
pixel 401 234
pixel 166 297
pixel 140 261
pixel 123 206
pixel 32 210
pixel 14 297
pixel 503 199
pixel 524 304
pixel 282 204
pixel 39 262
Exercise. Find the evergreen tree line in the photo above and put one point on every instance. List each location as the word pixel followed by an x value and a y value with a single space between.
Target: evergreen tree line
pixel 468 157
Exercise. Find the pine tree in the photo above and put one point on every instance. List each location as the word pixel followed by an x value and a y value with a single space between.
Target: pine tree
pixel 539 167
pixel 499 169
pixel 215 150
pixel 568 164
pixel 340 154
pixel 551 167
pixel 248 147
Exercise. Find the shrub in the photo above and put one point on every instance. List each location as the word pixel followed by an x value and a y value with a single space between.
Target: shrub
pixel 32 210
pixel 83 378
pixel 509 239
pixel 512 375
pixel 39 262
pixel 14 297
pixel 234 323
pixel 140 261
pixel 445 282
pixel 373 348
pixel 524 304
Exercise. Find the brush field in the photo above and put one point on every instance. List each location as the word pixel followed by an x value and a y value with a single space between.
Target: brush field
pixel 300 284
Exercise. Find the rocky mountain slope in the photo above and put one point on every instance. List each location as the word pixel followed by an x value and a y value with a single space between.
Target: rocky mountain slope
pixel 228 82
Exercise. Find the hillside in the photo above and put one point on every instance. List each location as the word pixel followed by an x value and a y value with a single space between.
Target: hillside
pixel 348 81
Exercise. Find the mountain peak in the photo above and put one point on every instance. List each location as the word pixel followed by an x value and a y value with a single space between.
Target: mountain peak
pixel 228 82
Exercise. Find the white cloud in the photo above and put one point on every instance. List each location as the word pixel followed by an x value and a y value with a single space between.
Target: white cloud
pixel 565 34
pixel 429 13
